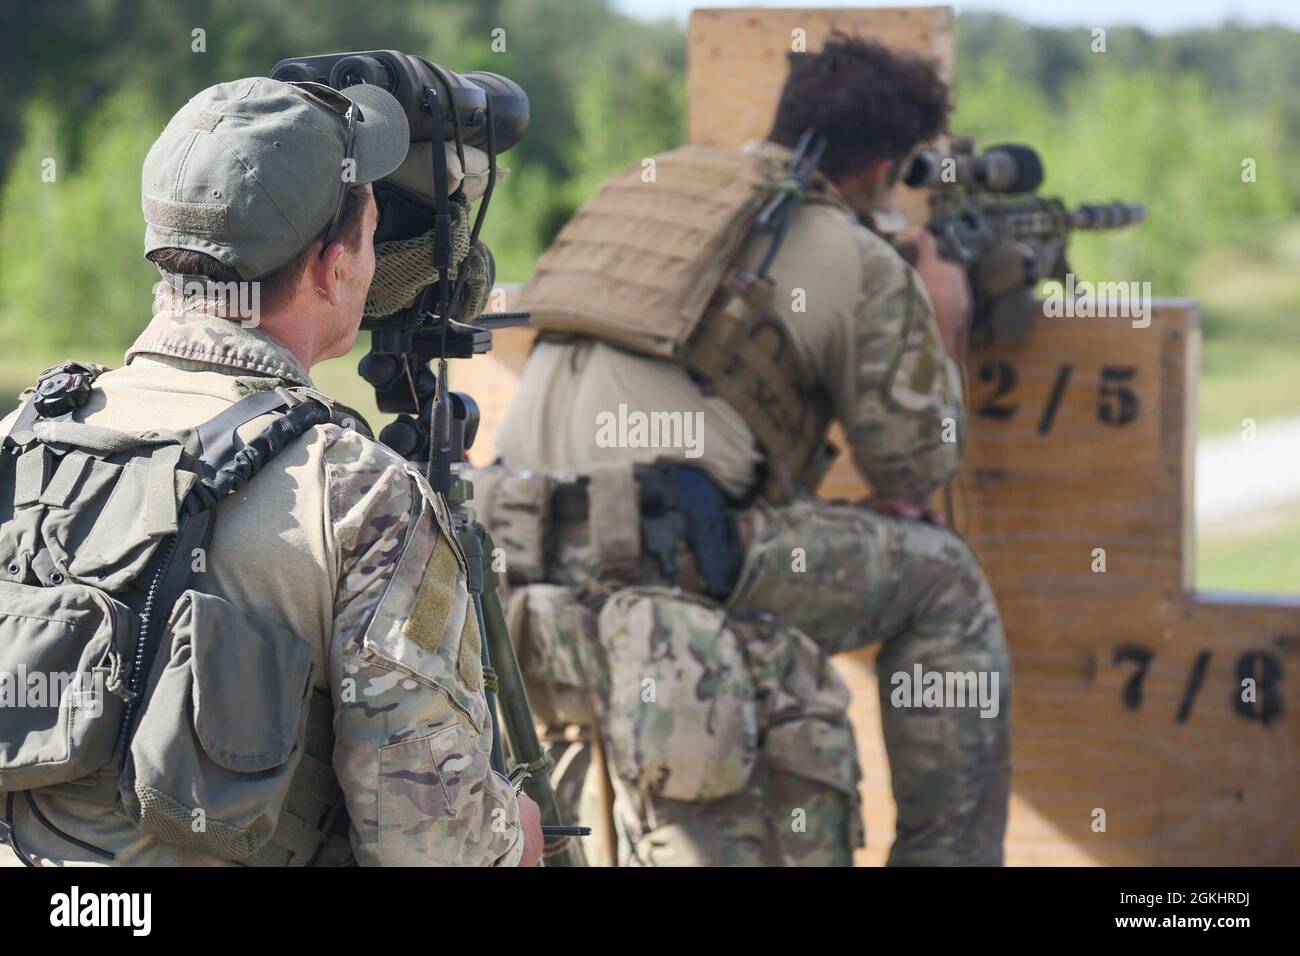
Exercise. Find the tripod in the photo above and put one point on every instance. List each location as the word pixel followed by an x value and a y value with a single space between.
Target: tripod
pixel 398 368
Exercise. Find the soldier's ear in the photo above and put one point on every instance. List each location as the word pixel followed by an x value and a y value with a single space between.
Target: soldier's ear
pixel 325 271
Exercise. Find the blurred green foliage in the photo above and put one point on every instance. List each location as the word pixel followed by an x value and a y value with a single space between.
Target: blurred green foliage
pixel 1263 559
pixel 1166 120
pixel 92 83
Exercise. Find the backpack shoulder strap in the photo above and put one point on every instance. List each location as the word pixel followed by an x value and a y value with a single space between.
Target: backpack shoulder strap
pixel 216 436
pixel 20 432
pixel 343 415
pixel 230 469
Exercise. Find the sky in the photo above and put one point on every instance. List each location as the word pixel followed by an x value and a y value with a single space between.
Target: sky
pixel 1155 15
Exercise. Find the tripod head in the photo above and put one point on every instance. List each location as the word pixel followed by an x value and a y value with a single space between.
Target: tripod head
pixel 398 368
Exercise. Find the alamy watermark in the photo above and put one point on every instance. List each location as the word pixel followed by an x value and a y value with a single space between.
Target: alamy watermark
pixel 1098 300
pixel 133 911
pixel 638 429
pixel 924 689
pixel 40 689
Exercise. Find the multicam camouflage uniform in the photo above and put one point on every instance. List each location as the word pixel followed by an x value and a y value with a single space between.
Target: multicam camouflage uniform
pixel 344 544
pixel 835 577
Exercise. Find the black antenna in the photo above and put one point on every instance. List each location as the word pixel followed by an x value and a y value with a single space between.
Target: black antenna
pixel 775 216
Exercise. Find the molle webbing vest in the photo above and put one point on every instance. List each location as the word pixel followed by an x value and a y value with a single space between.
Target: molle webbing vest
pixel 648 264
pixel 199 719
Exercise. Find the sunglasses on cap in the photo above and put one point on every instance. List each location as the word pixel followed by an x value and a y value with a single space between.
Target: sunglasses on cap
pixel 343 107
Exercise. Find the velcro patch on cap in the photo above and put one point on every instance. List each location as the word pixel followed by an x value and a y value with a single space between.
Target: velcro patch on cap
pixel 202 217
pixel 207 120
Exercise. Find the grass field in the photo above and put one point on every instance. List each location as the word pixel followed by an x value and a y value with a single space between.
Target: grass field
pixel 1259 555
pixel 1250 361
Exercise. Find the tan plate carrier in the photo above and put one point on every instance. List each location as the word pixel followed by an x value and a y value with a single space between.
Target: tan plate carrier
pixel 648 265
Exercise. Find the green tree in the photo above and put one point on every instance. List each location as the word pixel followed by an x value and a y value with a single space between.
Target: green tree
pixel 71 268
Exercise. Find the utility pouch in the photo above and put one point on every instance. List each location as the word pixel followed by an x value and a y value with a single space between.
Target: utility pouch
pixel 803 711
pixel 80 516
pixel 515 508
pixel 221 732
pixel 559 652
pixel 682 717
pixel 63 654
pixel 96 531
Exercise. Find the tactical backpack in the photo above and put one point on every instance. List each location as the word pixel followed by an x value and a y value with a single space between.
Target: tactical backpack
pixel 118 681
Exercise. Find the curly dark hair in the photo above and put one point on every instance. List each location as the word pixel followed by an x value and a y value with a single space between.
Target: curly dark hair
pixel 871 102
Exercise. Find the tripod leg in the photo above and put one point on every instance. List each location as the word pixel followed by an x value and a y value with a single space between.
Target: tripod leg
pixel 517 717
pixel 510 708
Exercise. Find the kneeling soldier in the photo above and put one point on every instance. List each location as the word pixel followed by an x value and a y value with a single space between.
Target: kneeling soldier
pixel 699 329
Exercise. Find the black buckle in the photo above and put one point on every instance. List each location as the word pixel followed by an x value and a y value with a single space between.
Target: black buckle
pixel 63 388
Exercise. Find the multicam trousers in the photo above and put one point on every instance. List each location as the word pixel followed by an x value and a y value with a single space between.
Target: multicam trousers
pixel 849 577
pixel 821 579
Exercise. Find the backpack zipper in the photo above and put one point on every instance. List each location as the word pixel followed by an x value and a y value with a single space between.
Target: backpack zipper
pixel 134 679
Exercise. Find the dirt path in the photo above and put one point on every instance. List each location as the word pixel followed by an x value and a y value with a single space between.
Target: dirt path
pixel 1238 480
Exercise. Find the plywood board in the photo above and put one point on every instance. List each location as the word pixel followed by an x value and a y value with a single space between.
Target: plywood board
pixel 1127 688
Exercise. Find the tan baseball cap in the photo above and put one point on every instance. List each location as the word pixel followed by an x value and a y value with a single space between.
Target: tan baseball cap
pixel 251 171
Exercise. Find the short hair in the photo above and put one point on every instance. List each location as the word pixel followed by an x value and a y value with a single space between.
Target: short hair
pixel 276 287
pixel 869 101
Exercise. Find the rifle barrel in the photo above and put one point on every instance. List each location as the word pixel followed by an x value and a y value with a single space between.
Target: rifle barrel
pixel 1111 215
pixel 1036 218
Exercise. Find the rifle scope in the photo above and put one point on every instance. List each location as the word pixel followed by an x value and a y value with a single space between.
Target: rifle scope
pixel 1006 168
